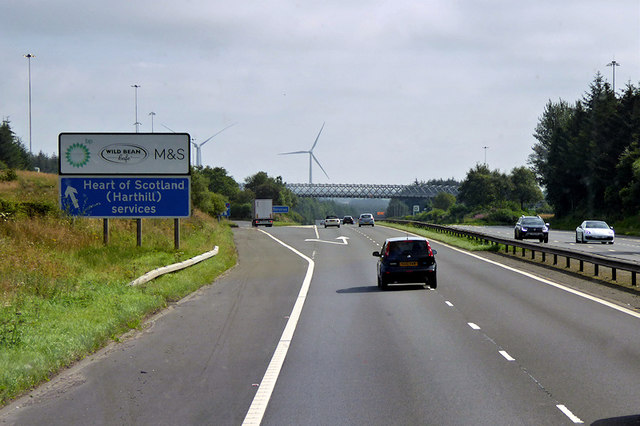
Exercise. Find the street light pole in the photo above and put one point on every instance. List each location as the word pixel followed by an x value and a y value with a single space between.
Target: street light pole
pixel 152 114
pixel 29 56
pixel 138 220
pixel 135 86
pixel 485 155
pixel 613 64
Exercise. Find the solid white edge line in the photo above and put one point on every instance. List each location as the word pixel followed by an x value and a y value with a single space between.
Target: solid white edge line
pixel 569 414
pixel 548 282
pixel 263 395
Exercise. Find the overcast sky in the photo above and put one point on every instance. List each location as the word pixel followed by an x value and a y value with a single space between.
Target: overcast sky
pixel 407 89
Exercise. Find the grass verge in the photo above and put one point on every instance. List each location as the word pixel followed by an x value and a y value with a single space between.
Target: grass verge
pixel 64 295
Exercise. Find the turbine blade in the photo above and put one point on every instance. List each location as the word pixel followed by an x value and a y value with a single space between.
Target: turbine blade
pixel 294 152
pixel 317 137
pixel 167 128
pixel 318 163
pixel 207 140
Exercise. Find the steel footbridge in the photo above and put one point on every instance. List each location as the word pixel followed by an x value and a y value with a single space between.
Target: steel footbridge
pixel 328 190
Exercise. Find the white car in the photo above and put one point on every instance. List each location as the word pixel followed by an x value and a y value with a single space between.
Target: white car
pixel 594 230
pixel 332 221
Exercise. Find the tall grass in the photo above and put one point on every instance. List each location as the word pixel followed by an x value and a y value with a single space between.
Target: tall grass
pixel 63 294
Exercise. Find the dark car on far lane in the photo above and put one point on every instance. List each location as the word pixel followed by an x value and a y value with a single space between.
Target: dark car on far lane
pixel 347 220
pixel 531 227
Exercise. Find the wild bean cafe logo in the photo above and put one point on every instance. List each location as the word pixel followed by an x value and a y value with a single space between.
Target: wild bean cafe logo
pixel 78 155
pixel 124 154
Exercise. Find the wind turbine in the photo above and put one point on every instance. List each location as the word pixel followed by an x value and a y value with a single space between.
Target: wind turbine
pixel 312 157
pixel 199 146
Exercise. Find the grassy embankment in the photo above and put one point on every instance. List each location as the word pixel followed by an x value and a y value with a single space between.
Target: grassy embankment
pixel 63 294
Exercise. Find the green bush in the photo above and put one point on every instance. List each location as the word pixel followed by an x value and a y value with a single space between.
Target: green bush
pixel 8 175
pixel 241 211
pixel 33 209
pixel 436 216
pixel 8 208
pixel 503 216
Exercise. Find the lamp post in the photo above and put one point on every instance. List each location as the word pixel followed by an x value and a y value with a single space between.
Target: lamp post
pixel 613 64
pixel 139 220
pixel 152 114
pixel 135 86
pixel 29 56
pixel 485 155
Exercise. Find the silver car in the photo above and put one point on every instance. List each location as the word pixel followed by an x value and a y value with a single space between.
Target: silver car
pixel 594 230
pixel 366 219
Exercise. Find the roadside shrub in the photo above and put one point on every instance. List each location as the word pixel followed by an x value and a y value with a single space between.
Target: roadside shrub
pixel 33 209
pixel 457 212
pixel 436 216
pixel 241 211
pixel 8 208
pixel 503 216
pixel 8 175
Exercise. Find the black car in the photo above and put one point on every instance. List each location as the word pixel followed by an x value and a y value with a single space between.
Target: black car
pixel 347 219
pixel 406 260
pixel 531 227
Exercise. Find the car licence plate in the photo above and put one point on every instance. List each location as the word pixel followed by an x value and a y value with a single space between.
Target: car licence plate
pixel 408 263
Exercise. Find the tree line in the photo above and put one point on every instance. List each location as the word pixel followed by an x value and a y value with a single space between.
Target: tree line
pixel 14 155
pixel 587 154
pixel 484 194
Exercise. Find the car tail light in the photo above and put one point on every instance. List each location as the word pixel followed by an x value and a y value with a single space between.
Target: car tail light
pixel 386 250
pixel 429 250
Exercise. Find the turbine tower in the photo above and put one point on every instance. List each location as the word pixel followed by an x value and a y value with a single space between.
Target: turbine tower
pixel 312 157
pixel 199 146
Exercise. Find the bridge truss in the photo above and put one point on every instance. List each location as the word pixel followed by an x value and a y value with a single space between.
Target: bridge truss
pixel 323 190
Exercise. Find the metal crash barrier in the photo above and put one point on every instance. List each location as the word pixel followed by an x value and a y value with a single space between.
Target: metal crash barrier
pixel 596 260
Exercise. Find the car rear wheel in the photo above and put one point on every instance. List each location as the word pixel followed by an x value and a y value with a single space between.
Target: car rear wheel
pixel 432 280
pixel 382 284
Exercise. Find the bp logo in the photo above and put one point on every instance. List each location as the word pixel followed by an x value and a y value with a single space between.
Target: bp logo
pixel 78 155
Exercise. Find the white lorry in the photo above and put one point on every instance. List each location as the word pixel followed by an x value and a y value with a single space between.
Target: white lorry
pixel 262 212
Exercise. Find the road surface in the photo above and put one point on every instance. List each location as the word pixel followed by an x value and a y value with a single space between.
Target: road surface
pixel 490 345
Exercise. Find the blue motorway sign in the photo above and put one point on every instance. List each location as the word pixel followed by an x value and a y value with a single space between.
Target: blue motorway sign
pixel 126 196
pixel 280 209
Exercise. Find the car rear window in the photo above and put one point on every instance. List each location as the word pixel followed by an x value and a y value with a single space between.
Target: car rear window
pixel 407 247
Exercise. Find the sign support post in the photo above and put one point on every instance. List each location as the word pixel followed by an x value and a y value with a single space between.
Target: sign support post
pixel 176 233
pixel 105 231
